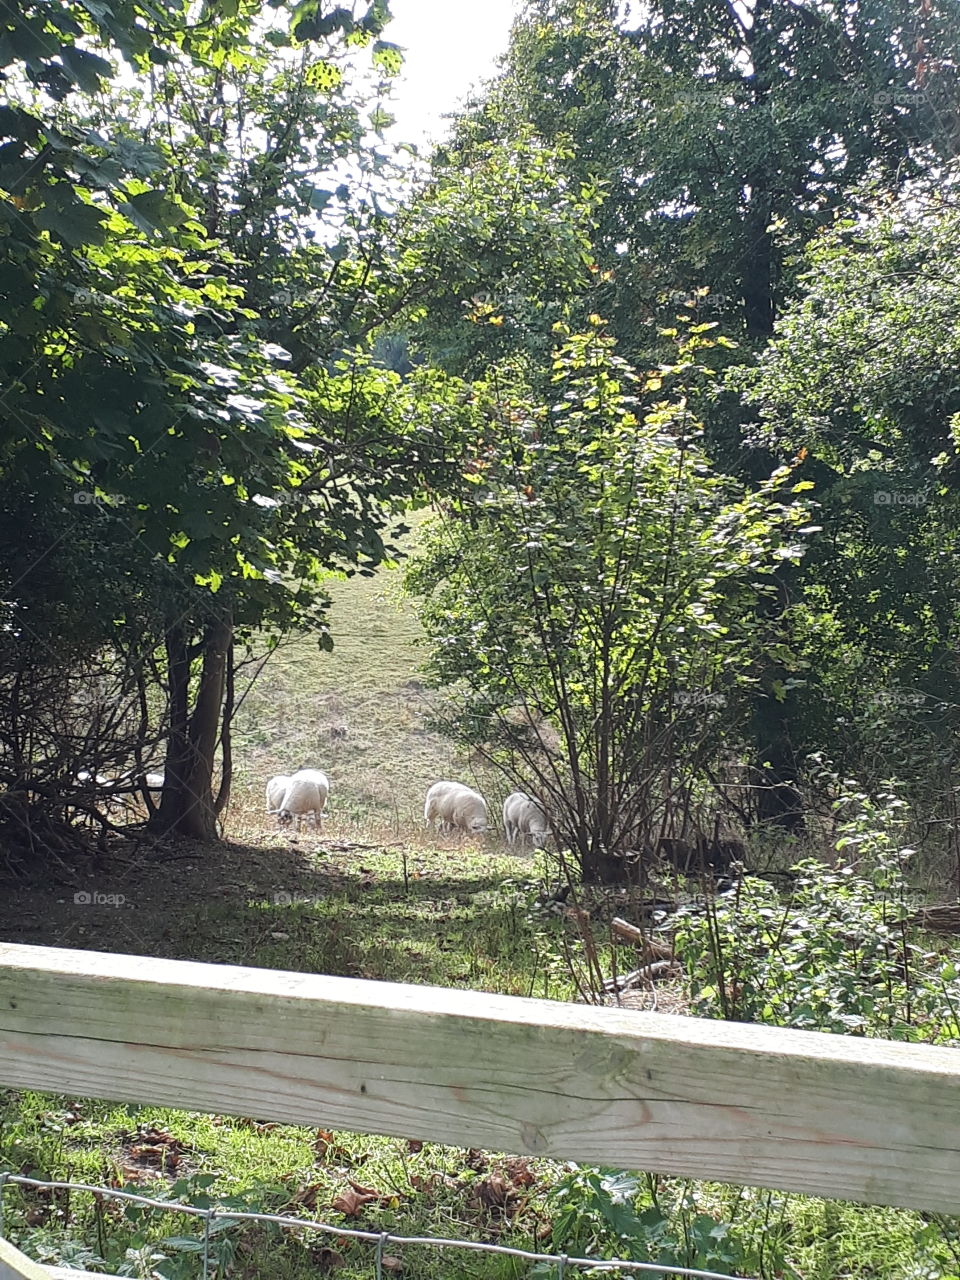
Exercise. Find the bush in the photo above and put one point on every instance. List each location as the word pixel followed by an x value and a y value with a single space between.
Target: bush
pixel 837 954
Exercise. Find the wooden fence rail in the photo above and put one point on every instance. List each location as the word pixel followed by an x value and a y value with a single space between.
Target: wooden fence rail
pixel 827 1115
pixel 15 1265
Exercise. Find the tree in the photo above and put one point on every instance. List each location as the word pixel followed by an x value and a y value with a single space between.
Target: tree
pixel 861 380
pixel 212 479
pixel 590 598
pixel 724 136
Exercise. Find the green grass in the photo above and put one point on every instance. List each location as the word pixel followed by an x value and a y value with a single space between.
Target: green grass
pixel 360 713
pixel 459 919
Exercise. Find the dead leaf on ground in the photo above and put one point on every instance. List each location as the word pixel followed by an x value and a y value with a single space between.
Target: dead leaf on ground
pixel 519 1172
pixel 391 1263
pixel 477 1160
pixel 157 1156
pixel 156 1148
pixel 496 1192
pixel 244 1122
pixel 133 1175
pixel 327 1147
pixel 366 1191
pixel 350 1201
pixel 425 1183
pixel 414 1145
pixel 305 1196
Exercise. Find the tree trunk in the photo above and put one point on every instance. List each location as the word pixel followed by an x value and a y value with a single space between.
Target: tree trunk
pixel 779 802
pixel 187 807
pixel 775 769
pixel 226 735
pixel 757 278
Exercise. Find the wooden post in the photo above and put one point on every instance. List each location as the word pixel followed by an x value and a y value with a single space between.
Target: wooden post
pixel 826 1115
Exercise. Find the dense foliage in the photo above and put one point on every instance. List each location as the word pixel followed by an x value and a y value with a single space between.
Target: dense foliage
pixel 723 142
pixel 862 378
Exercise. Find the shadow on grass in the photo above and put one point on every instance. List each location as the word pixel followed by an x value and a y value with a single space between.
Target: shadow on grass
pixel 457 919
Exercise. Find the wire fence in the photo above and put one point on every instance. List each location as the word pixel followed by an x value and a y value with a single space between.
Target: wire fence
pixel 565 1267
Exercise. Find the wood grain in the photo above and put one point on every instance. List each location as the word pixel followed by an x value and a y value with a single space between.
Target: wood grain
pixel 834 1116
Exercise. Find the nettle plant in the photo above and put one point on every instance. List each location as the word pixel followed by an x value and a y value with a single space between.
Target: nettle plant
pixel 837 954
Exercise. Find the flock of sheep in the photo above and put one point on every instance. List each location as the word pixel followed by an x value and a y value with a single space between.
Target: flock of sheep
pixel 449 806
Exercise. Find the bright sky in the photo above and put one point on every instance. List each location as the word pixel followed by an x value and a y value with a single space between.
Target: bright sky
pixel 449 45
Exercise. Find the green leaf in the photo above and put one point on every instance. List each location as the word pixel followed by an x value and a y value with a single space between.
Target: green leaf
pixel 85 69
pixel 75 223
pixel 388 56
pixel 154 211
pixel 319 198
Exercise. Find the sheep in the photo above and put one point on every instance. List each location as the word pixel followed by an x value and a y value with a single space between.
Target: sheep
pixel 451 806
pixel 305 792
pixel 522 817
pixel 275 791
pixel 118 795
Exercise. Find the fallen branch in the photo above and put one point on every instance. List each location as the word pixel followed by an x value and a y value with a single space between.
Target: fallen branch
pixel 651 948
pixel 658 969
pixel 939 919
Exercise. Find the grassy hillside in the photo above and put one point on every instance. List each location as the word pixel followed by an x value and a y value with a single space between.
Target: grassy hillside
pixel 359 713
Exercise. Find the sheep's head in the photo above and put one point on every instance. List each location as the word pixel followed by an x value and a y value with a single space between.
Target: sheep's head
pixel 284 817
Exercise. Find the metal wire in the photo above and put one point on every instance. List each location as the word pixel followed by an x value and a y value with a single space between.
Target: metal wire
pixel 378 1238
pixel 207 1219
pixel 378 1260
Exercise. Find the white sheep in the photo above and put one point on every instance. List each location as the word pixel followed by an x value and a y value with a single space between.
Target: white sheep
pixel 453 807
pixel 118 795
pixel 524 817
pixel 306 791
pixel 275 789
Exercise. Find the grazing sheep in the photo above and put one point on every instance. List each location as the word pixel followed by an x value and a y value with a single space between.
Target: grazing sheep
pixel 275 791
pixel 306 792
pixel 453 807
pixel 522 817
